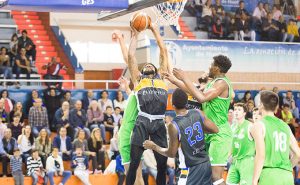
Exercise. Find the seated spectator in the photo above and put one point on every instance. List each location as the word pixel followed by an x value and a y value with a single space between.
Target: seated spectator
pixel 52 103
pixel 5 67
pixel 25 142
pixel 105 101
pixel 13 46
pixel 240 10
pixel 276 13
pixel 88 98
pixel 120 101
pixel 109 121
pixel 95 144
pixel 62 117
pixel 22 65
pixel 9 145
pixel 232 30
pixel 95 118
pixel 285 37
pixel 292 29
pixel 53 69
pixel 219 8
pixel 35 168
pixel 34 96
pixel 80 163
pixel 80 141
pixel 18 110
pixel 55 167
pixel 287 117
pixel 3 127
pixel 217 30
pixel 259 12
pixel 267 7
pixel 250 107
pixel 149 166
pixel 68 97
pixel 16 167
pixel 8 103
pixel 16 126
pixel 78 119
pixel 244 28
pixel 207 14
pixel 247 97
pixel 64 144
pixel 270 29
pixel 289 99
pixel 197 11
pixel 117 117
pixel 3 115
pixel 38 118
pixel 43 145
pixel 25 41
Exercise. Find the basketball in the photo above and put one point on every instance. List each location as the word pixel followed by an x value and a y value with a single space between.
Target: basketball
pixel 140 21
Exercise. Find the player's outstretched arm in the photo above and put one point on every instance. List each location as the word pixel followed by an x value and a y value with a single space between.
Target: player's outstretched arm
pixel 164 65
pixel 173 143
pixel 117 35
pixel 294 150
pixel 209 126
pixel 257 132
pixel 132 62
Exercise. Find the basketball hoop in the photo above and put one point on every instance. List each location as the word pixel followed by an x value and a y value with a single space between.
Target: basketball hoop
pixel 168 13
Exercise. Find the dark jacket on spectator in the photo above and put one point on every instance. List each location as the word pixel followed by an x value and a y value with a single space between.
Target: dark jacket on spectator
pixel 86 102
pixel 57 142
pixel 58 121
pixel 76 120
pixel 11 117
pixel 243 27
pixel 240 11
pixel 15 131
pixel 91 146
pixel 13 143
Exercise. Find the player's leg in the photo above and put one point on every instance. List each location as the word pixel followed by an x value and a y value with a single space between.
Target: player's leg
pixel 136 153
pixel 276 176
pixel 246 168
pixel 161 168
pixel 203 178
pixel 139 177
pixel 233 177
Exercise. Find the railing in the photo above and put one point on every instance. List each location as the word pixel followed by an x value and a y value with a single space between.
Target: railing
pixel 67 49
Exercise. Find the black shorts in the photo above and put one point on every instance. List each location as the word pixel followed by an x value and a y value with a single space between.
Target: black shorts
pixel 145 129
pixel 200 174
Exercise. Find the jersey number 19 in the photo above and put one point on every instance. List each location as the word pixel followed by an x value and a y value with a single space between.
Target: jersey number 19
pixel 280 141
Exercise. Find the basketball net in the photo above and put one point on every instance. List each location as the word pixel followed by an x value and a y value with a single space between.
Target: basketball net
pixel 168 13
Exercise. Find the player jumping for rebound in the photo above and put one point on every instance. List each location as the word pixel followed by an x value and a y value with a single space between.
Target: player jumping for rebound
pixel 277 150
pixel 215 101
pixel 151 93
pixel 187 131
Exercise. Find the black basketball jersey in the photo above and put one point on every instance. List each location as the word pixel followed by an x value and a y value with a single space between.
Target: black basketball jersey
pixel 191 136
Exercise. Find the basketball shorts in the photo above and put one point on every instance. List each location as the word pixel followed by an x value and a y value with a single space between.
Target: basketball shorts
pixel 145 129
pixel 197 178
pixel 276 176
pixel 219 145
pixel 241 171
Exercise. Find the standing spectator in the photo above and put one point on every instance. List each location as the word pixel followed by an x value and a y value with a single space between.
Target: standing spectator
pixel 8 103
pixel 62 117
pixel 34 96
pixel 22 65
pixel 53 69
pixel 16 167
pixel 25 142
pixel 284 36
pixel 43 145
pixel 207 14
pixel 5 67
pixel 68 97
pixel 55 167
pixel 109 120
pixel 95 118
pixel 292 29
pixel 87 99
pixel 287 117
pixel 64 144
pixel 3 115
pixel 80 163
pixel 18 109
pixel 13 45
pixel 244 28
pixel 289 100
pixel 270 28
pixel 16 126
pixel 247 97
pixel 52 102
pixel 105 101
pixel 38 118
pixel 276 13
pixel 9 145
pixel 198 9
pixel 25 42
pixel 78 118
pixel 217 29
pixel 80 141
pixel 240 10
pixel 120 101
pixel 95 144
pixel 35 168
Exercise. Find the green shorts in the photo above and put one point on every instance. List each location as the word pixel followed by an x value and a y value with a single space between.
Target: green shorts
pixel 276 176
pixel 241 172
pixel 219 146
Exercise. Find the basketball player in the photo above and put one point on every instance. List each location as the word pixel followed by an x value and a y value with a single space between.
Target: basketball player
pixel 277 150
pixel 187 131
pixel 215 101
pixel 256 116
pixel 243 149
pixel 151 93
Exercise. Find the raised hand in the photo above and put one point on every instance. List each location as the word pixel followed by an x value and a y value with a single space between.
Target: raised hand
pixel 179 74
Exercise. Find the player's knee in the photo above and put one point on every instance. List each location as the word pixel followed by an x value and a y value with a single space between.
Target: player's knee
pixel 219 182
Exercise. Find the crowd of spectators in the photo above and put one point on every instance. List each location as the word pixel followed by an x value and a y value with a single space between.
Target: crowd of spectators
pixel 265 23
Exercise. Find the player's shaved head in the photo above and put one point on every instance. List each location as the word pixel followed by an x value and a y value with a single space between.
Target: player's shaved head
pixel 179 99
